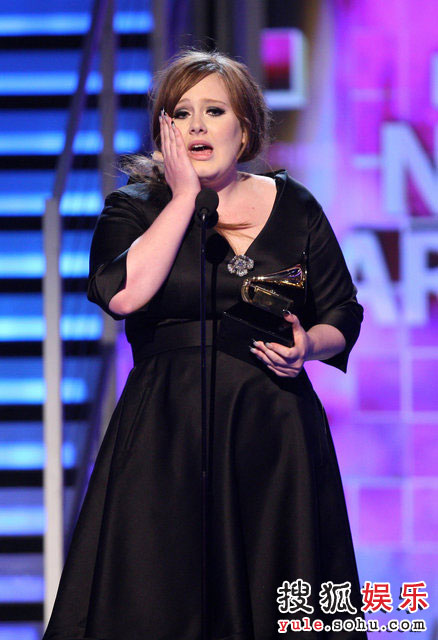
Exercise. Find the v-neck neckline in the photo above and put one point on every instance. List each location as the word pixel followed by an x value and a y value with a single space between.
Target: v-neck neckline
pixel 279 184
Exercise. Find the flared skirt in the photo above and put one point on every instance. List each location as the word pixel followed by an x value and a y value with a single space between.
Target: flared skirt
pixel 277 513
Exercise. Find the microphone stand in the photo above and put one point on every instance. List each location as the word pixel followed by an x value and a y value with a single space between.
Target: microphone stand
pixel 205 437
pixel 205 206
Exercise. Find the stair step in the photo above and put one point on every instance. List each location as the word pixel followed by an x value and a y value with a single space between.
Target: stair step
pixel 48 143
pixel 70 22
pixel 22 384
pixel 55 42
pixel 20 259
pixel 32 304
pixel 21 611
pixel 79 184
pixel 34 285
pixel 21 630
pixel 77 205
pixel 21 456
pixel 73 6
pixel 34 412
pixel 48 126
pixel 32 390
pixel 13 368
pixel 22 451
pixel 30 348
pixel 46 68
pixel 30 434
pixel 21 590
pixel 31 477
pixel 47 162
pixel 21 320
pixel 21 544
pixel 47 101
pixel 22 511
pixel 21 578
pixel 73 327
pixel 32 264
pixel 34 223
pixel 21 83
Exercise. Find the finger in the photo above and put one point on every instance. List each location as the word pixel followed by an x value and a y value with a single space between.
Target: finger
pixel 175 149
pixel 172 137
pixel 290 369
pixel 270 359
pixel 273 347
pixel 290 372
pixel 181 145
pixel 285 370
pixel 293 353
pixel 297 329
pixel 281 374
pixel 273 357
pixel 292 318
pixel 165 138
pixel 178 138
pixel 279 354
pixel 160 120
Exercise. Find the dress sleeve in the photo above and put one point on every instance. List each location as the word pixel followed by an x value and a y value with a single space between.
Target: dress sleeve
pixel 331 291
pixel 119 224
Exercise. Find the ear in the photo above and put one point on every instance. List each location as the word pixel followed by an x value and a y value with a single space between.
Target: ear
pixel 243 143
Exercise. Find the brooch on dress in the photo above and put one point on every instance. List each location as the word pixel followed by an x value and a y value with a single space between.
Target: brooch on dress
pixel 240 265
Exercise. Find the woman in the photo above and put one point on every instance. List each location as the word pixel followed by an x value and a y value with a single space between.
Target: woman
pixel 277 512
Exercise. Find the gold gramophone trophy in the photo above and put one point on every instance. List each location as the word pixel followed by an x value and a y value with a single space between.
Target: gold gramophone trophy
pixel 260 315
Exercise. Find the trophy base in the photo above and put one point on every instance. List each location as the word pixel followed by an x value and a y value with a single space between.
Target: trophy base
pixel 243 323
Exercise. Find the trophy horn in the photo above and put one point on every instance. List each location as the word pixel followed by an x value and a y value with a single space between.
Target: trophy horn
pixel 278 291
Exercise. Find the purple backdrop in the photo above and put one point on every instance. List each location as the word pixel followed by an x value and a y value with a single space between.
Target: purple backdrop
pixel 367 146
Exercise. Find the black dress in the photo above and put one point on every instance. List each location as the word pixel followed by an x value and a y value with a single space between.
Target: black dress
pixel 133 571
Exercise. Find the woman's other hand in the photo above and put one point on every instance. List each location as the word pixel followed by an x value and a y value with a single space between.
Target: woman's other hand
pixel 282 360
pixel 320 342
pixel 178 169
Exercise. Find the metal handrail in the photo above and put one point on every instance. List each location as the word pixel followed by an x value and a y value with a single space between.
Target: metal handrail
pixel 92 439
pixel 52 347
pixel 78 100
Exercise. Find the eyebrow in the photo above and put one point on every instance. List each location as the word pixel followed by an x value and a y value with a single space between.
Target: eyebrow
pixel 203 100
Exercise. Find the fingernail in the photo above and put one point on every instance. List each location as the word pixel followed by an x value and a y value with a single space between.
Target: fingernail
pixel 268 344
pixel 287 312
pixel 172 123
pixel 253 350
pixel 162 112
pixel 254 341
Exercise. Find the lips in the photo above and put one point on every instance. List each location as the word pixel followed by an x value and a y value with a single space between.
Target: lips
pixel 200 149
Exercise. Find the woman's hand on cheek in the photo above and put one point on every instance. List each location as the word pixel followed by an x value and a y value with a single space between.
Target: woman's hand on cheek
pixel 178 169
pixel 286 362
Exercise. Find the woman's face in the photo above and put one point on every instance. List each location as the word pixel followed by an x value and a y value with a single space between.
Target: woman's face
pixel 210 128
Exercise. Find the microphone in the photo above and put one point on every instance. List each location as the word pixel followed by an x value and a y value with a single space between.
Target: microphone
pixel 206 204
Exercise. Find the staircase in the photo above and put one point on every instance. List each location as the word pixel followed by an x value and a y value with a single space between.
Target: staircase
pixel 40 45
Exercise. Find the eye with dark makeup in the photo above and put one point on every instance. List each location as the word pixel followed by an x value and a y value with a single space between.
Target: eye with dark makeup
pixel 213 111
pixel 180 113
